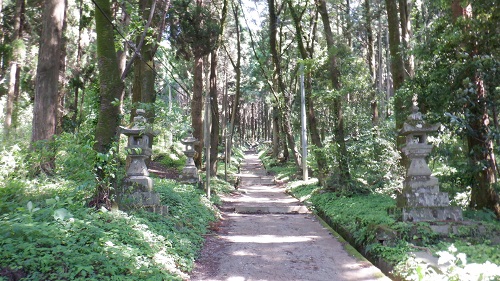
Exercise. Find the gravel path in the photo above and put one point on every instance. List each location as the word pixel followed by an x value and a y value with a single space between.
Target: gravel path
pixel 266 234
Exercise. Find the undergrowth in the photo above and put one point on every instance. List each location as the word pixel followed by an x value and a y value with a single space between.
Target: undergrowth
pixel 49 232
pixel 365 219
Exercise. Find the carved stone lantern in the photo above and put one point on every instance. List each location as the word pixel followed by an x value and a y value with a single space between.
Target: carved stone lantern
pixel 421 199
pixel 138 150
pixel 190 172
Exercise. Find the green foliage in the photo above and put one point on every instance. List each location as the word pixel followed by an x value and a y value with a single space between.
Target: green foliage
pixel 453 265
pixel 281 171
pixel 365 219
pixel 172 157
pixel 56 237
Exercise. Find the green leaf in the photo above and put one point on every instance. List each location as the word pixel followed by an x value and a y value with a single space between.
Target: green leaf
pixel 62 214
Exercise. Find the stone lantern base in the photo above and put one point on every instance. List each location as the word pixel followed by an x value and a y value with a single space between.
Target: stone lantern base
pixel 189 175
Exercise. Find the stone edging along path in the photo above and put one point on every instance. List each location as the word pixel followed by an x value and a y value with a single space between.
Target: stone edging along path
pixel 267 234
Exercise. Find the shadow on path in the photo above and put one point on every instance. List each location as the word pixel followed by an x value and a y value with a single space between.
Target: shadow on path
pixel 268 235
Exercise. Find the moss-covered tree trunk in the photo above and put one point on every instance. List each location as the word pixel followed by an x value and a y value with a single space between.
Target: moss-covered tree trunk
pixel 111 85
pixel 46 87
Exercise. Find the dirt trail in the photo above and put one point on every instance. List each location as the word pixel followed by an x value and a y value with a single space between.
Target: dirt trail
pixel 268 235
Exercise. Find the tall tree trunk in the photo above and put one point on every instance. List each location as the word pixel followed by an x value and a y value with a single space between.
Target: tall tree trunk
pixel 480 145
pixel 14 69
pixel 397 71
pixel 214 136
pixel 143 90
pixel 111 86
pixel 276 133
pixel 405 7
pixel 46 87
pixel 237 69
pixel 370 58
pixel 63 80
pixel 277 76
pixel 342 157
pixel 215 129
pixel 196 108
pixel 77 73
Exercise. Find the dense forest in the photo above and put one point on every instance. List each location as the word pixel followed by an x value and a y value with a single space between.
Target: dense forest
pixel 73 71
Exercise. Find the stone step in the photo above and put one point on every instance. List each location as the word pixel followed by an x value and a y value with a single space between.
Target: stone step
pixel 296 209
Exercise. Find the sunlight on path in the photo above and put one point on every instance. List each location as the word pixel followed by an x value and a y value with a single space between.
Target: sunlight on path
pixel 264 238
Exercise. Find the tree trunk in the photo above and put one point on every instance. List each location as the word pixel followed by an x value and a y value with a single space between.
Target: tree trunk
pixel 215 129
pixel 342 157
pixel 196 109
pixel 277 77
pixel 405 7
pixel 111 86
pixel 370 58
pixel 46 87
pixel 77 73
pixel 397 71
pixel 237 69
pixel 480 145
pixel 307 53
pixel 214 137
pixel 14 69
pixel 276 133
pixel 63 80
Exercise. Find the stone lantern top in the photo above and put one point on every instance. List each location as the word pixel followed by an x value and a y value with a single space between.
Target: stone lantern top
pixel 139 126
pixel 189 141
pixel 415 128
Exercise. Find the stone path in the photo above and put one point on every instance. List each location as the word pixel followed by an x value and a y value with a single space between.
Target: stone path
pixel 268 235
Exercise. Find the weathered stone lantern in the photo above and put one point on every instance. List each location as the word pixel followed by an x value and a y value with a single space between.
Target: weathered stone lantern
pixel 190 172
pixel 137 190
pixel 421 199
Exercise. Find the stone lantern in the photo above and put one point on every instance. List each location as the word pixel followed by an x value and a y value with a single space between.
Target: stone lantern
pixel 190 172
pixel 137 189
pixel 421 199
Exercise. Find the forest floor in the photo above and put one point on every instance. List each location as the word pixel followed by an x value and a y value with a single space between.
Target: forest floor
pixel 266 234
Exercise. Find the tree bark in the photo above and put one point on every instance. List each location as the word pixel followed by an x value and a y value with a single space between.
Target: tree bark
pixel 370 58
pixel 342 157
pixel 215 123
pixel 46 87
pixel 215 129
pixel 111 85
pixel 63 80
pixel 14 69
pixel 480 145
pixel 237 69
pixel 397 72
pixel 196 109
pixel 277 77
pixel 405 7
pixel 307 53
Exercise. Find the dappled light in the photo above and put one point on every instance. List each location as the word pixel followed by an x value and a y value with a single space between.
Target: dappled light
pixel 249 140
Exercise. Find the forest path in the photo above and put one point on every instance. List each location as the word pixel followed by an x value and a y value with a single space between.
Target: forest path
pixel 266 234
